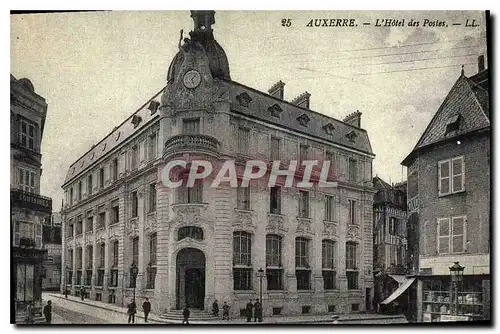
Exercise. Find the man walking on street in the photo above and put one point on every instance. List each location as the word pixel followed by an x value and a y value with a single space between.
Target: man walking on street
pixel 131 310
pixel 47 312
pixel 225 311
pixel 215 309
pixel 146 307
pixel 185 314
pixel 82 292
pixel 257 311
pixel 249 311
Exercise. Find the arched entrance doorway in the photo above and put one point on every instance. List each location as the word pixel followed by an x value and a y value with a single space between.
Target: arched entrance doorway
pixel 190 282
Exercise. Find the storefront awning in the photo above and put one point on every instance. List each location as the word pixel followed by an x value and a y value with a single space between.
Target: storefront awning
pixel 398 278
pixel 402 288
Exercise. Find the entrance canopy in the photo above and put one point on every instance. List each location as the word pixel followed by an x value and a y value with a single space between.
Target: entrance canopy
pixel 405 284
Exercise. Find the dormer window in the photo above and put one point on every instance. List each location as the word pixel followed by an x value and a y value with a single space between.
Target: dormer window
pixel 303 119
pixel 244 99
pixel 275 110
pixel 136 120
pixel 153 106
pixel 351 136
pixel 329 128
pixel 453 123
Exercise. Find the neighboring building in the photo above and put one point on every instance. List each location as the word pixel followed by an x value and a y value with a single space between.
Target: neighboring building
pixel 29 210
pixel 390 244
pixel 195 245
pixel 449 200
pixel 52 243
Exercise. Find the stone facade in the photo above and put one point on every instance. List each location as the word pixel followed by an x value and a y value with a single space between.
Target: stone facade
pixel 205 123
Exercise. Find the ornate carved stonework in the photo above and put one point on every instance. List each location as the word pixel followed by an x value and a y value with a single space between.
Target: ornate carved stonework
pixel 244 221
pixel 304 226
pixel 188 214
pixel 100 241
pixel 330 229
pixel 276 223
pixel 133 227
pixel 352 232
pixel 368 271
pixel 244 99
pixel 151 223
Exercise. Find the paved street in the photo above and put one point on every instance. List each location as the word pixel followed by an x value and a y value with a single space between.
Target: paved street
pixel 65 316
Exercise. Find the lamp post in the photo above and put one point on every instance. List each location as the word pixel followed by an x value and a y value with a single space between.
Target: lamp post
pixel 260 275
pixel 133 272
pixel 456 272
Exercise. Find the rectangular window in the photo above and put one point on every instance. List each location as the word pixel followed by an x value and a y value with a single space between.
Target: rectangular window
pixel 242 249
pixel 274 271
pixel 275 200
pixel 451 235
pixel 90 254
pixel 303 152
pixel 329 156
pixel 353 170
pixel 151 278
pixel 190 194
pixel 115 254
pixel 152 249
pixel 70 230
pixel 303 279
pixel 243 140
pixel 243 198
pixel 451 176
pixel 38 236
pixel 79 190
pixel 303 204
pixel 152 197
pixel 101 177
pixel 135 157
pixel 392 226
pixel 102 255
pixel 27 134
pixel 352 211
pixel 329 279
pixel 17 234
pixel 242 278
pixel 26 180
pixel 135 204
pixel 135 251
pixel 350 255
pixel 89 184
pixel 114 278
pixel 71 196
pixel 115 212
pixel 301 253
pixel 79 225
pixel 114 169
pixel 152 147
pixel 191 126
pixel 102 220
pixel 90 224
pixel 275 149
pixel 329 208
pixel 352 280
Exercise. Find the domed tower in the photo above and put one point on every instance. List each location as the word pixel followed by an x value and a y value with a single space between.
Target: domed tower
pixel 203 36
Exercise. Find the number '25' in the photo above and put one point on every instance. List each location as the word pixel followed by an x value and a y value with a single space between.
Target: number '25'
pixel 286 22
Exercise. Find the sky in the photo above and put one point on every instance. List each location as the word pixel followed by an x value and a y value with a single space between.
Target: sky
pixel 95 69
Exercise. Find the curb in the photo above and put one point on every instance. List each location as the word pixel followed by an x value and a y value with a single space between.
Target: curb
pixel 110 309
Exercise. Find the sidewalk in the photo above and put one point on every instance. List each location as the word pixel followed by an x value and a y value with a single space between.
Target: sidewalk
pixel 356 318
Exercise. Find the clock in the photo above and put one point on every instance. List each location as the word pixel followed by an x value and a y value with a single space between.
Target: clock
pixel 192 79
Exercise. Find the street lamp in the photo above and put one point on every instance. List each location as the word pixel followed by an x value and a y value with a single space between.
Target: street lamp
pixel 133 272
pixel 457 273
pixel 261 275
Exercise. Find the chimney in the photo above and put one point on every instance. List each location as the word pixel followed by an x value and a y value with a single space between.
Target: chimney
pixel 353 119
pixel 302 100
pixel 480 63
pixel 278 90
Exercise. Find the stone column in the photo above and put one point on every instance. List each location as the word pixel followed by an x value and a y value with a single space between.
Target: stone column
pixel 164 296
pixel 73 277
pixel 107 269
pixel 94 254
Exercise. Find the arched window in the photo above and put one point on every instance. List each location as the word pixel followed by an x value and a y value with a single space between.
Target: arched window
pixel 192 232
pixel 242 260
pixel 328 264
pixel 274 270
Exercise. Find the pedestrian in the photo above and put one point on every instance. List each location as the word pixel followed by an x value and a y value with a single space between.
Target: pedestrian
pixel 249 311
pixel 82 292
pixel 215 309
pixel 131 311
pixel 257 314
pixel 225 311
pixel 65 292
pixel 146 307
pixel 47 312
pixel 185 314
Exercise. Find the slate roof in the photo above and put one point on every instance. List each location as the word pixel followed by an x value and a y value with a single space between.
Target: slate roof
pixel 119 134
pixel 379 184
pixel 263 106
pixel 466 99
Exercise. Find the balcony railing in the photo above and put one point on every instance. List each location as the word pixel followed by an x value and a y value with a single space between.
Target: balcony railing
pixel 191 143
pixel 22 199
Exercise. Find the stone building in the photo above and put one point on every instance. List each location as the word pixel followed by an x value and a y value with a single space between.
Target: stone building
pixel 449 201
pixel 52 243
pixel 29 209
pixel 194 245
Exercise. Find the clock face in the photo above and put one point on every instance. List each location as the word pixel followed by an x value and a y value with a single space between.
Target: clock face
pixel 192 79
